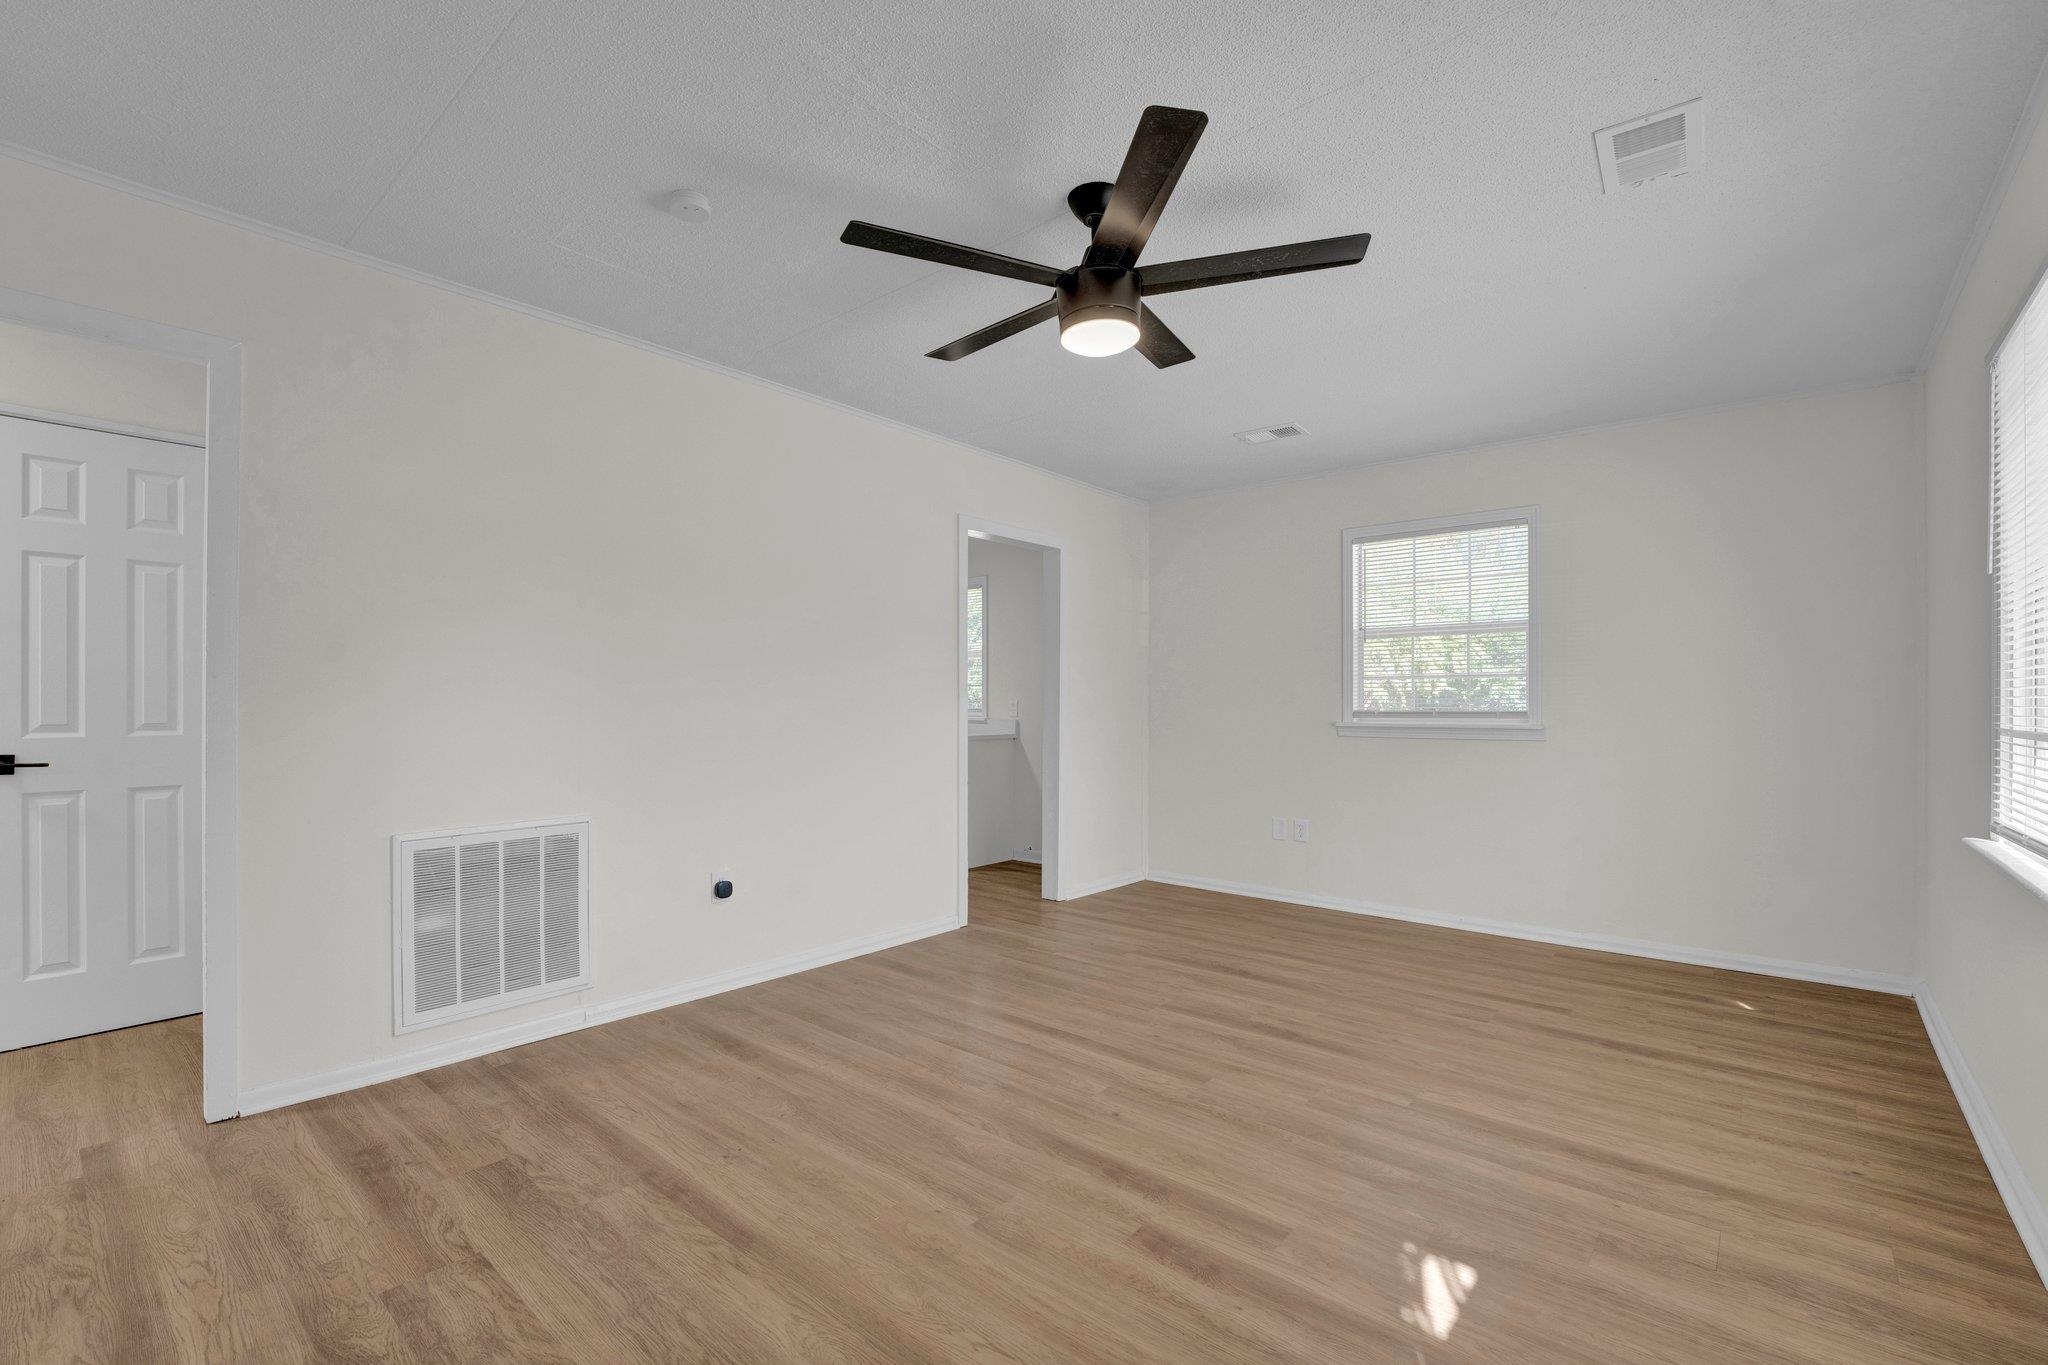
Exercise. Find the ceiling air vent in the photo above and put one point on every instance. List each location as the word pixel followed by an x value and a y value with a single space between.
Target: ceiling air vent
pixel 1649 148
pixel 488 918
pixel 1261 435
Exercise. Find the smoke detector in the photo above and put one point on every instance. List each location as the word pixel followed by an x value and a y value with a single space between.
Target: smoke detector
pixel 692 206
pixel 1666 143
pixel 1261 435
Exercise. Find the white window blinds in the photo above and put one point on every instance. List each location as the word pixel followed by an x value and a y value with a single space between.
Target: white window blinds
pixel 1439 620
pixel 2019 575
pixel 977 649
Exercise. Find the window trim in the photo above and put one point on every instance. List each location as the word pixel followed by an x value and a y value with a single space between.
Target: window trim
pixel 980 717
pixel 2022 864
pixel 2010 849
pixel 1419 725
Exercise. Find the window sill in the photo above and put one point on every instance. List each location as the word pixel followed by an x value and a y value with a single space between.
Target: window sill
pixel 2028 869
pixel 991 729
pixel 1439 729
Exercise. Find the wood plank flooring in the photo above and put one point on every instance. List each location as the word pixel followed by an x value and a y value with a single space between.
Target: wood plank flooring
pixel 1155 1125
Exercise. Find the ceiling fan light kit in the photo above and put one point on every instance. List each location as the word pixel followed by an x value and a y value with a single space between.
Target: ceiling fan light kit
pixel 1100 303
pixel 1099 314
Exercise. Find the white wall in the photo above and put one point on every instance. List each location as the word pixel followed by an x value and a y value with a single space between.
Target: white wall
pixel 1006 793
pixel 1985 953
pixel 96 379
pixel 1729 652
pixel 497 568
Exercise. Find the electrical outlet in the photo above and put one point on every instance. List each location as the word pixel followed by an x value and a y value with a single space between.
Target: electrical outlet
pixel 1301 831
pixel 1013 710
pixel 1279 827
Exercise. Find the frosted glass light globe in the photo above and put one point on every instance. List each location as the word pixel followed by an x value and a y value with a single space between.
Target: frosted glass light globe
pixel 1099 336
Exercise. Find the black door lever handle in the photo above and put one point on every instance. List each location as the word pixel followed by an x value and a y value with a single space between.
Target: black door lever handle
pixel 8 765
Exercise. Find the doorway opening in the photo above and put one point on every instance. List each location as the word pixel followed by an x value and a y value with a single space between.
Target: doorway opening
pixel 1010 609
pixel 117 732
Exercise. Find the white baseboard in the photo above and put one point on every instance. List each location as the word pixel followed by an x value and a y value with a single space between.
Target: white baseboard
pixel 1106 884
pixel 1605 943
pixel 1025 857
pixel 278 1094
pixel 2020 1200
pixel 606 1011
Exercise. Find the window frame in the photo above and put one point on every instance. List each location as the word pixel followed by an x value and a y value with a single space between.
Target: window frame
pixel 2011 848
pixel 980 717
pixel 1419 724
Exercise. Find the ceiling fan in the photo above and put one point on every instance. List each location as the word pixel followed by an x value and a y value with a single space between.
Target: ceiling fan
pixel 1100 303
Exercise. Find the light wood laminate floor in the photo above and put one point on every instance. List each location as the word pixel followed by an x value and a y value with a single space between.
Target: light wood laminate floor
pixel 1155 1125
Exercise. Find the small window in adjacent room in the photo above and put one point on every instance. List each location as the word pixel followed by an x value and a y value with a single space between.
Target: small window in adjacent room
pixel 1440 628
pixel 977 648
pixel 2019 576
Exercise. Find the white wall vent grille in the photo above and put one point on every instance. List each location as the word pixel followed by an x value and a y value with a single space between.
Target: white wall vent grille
pixel 1649 148
pixel 488 918
pixel 1261 435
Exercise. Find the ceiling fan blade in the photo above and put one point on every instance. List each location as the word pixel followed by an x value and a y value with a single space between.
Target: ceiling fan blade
pixel 947 253
pixel 996 331
pixel 1158 344
pixel 1159 152
pixel 1201 272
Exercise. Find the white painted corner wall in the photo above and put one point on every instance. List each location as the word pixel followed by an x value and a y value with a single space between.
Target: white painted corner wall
pixel 498 568
pixel 1984 936
pixel 2009 1169
pixel 456 515
pixel 1731 635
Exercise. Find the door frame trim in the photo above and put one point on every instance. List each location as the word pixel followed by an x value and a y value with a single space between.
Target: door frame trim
pixel 220 672
pixel 54 418
pixel 1052 626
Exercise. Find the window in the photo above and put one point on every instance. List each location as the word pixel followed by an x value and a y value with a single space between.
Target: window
pixel 2019 576
pixel 1440 628
pixel 977 648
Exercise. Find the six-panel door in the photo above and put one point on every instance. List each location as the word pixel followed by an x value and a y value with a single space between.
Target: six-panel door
pixel 100 602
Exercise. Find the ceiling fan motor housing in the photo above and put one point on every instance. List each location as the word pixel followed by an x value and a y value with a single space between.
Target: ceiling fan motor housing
pixel 1098 291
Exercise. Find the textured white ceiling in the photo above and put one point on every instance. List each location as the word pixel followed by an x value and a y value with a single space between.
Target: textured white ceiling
pixel 514 148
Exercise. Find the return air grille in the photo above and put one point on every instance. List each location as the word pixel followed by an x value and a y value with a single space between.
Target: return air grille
pixel 1649 148
pixel 488 918
pixel 1259 436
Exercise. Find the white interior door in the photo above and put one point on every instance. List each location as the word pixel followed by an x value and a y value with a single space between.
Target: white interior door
pixel 100 593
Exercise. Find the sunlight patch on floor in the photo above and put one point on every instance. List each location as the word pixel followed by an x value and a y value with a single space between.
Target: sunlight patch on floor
pixel 1440 1285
